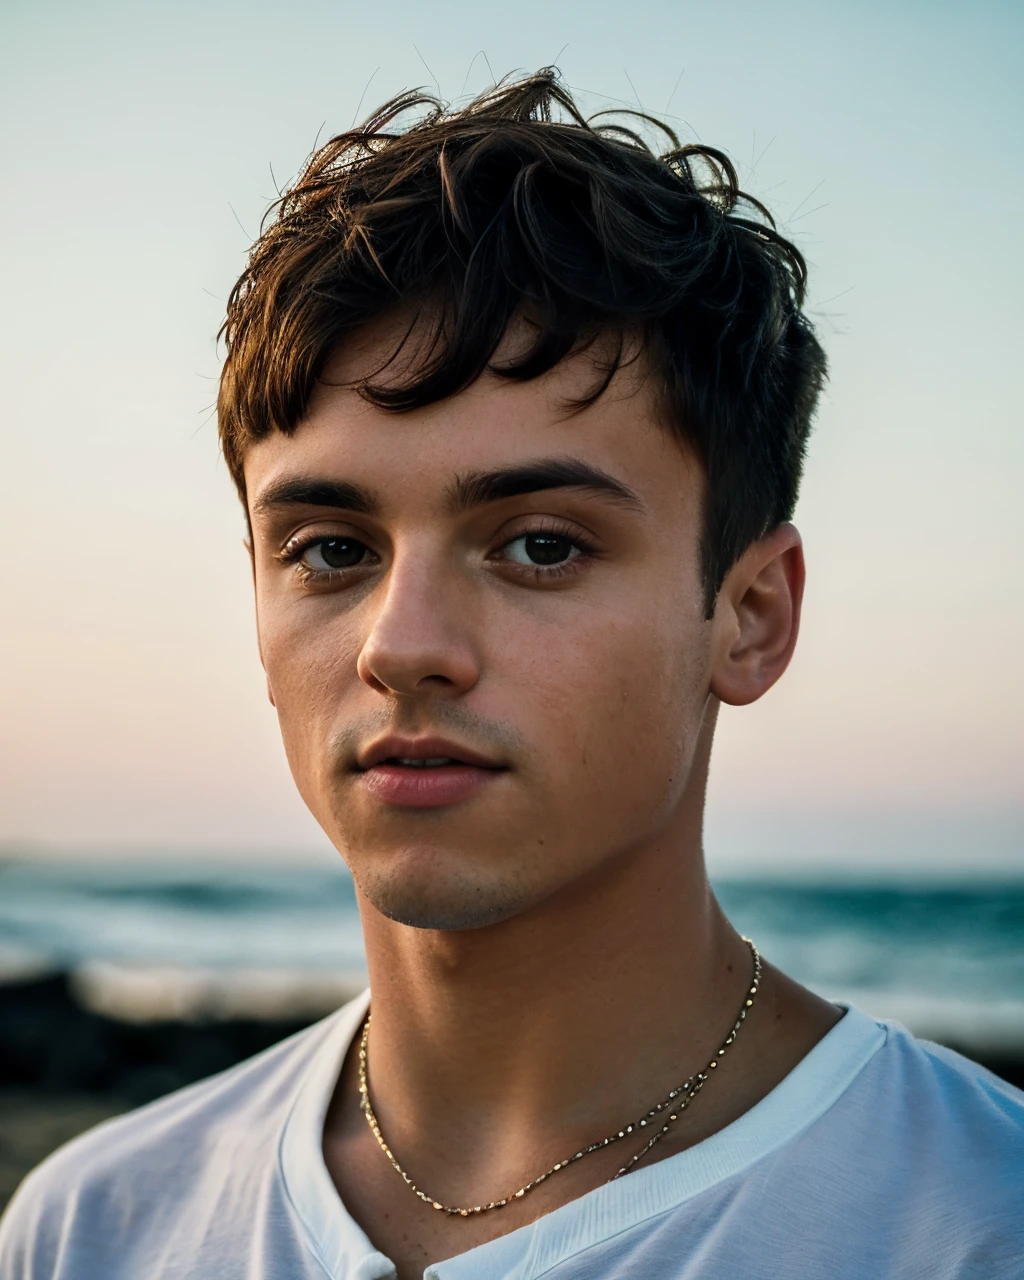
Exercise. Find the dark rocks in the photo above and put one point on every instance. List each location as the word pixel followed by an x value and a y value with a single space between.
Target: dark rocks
pixel 50 1042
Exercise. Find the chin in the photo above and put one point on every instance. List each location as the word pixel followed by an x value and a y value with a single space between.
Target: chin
pixel 417 890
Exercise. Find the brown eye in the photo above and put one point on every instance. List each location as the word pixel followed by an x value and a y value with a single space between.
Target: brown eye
pixel 334 553
pixel 540 549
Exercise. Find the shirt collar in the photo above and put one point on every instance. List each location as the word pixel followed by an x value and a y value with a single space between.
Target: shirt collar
pixel 345 1252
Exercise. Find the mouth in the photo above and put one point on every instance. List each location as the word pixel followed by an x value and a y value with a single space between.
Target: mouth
pixel 424 774
pixel 411 762
pixel 422 753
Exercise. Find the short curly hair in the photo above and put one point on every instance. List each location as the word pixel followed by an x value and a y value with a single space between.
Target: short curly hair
pixel 516 204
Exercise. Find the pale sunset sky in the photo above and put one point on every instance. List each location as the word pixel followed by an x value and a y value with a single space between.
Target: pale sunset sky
pixel 139 143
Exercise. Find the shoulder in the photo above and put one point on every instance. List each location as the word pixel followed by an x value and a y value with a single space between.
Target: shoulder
pixel 932 1144
pixel 118 1179
pixel 875 1099
pixel 962 1101
pixel 879 1155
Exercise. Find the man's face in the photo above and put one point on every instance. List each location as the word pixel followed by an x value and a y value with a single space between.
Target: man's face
pixel 500 586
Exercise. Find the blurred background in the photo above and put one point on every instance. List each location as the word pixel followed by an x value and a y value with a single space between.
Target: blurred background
pixel 166 903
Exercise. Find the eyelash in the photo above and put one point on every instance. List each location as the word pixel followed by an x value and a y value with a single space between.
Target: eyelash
pixel 293 552
pixel 549 573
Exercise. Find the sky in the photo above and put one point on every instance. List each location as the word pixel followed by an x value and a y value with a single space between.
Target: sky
pixel 140 147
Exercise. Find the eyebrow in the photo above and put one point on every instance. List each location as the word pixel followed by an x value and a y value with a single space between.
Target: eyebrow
pixel 308 491
pixel 476 488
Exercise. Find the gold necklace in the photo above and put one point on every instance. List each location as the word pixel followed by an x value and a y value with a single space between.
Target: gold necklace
pixel 686 1092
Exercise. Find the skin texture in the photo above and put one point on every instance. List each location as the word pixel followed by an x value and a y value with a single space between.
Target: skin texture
pixel 546 957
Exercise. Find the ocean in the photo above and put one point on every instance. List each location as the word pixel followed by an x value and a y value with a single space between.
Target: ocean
pixel 946 959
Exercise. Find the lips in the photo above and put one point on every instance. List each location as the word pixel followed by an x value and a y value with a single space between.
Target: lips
pixel 425 773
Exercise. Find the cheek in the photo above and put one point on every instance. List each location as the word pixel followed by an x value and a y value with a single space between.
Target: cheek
pixel 615 706
pixel 307 666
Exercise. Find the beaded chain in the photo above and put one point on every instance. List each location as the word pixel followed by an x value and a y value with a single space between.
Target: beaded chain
pixel 687 1091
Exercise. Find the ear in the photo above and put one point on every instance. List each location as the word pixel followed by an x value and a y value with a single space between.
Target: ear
pixel 757 617
pixel 247 543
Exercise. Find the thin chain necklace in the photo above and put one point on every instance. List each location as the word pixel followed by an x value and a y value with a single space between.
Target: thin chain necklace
pixel 676 1103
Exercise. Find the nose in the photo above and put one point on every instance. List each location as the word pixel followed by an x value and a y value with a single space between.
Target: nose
pixel 420 639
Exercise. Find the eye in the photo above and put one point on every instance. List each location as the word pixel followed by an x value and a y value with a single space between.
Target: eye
pixel 334 553
pixel 540 549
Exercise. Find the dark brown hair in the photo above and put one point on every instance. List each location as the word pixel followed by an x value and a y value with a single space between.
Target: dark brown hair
pixel 517 205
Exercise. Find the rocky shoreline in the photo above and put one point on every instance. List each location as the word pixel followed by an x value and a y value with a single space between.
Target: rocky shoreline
pixel 53 1040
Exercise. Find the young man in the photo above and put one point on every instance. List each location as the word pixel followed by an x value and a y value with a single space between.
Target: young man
pixel 517 409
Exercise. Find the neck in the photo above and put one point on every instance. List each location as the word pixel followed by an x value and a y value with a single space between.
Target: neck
pixel 565 1021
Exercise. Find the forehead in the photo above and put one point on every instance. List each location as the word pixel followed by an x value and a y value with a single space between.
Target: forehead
pixel 415 456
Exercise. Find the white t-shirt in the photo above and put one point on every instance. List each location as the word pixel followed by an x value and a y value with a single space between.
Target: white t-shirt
pixel 878 1157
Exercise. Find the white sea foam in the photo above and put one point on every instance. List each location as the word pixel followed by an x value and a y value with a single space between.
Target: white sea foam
pixel 157 993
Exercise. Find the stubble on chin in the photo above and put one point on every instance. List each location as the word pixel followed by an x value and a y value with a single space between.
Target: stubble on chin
pixel 450 901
